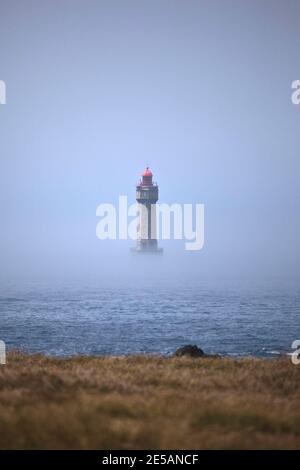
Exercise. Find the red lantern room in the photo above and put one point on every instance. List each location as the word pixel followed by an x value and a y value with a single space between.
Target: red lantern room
pixel 147 177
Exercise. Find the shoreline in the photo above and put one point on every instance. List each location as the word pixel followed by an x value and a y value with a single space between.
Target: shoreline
pixel 267 356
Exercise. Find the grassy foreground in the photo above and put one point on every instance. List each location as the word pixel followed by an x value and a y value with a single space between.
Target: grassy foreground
pixel 148 402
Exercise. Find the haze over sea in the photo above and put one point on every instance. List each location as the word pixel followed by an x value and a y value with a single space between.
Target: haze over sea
pixel 231 318
pixel 201 91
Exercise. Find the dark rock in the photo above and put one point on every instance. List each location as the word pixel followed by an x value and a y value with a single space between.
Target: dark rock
pixel 189 350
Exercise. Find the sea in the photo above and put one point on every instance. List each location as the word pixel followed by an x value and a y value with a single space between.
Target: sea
pixel 236 318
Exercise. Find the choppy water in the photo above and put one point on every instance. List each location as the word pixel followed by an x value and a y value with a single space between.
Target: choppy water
pixel 233 319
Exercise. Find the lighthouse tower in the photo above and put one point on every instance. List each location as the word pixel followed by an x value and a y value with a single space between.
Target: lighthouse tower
pixel 146 197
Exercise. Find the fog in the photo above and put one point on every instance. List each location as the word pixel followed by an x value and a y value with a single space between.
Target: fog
pixel 199 90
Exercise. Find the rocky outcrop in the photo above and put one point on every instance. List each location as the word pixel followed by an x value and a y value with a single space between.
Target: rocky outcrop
pixel 190 351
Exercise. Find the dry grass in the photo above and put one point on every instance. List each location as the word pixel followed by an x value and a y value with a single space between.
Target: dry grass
pixel 148 402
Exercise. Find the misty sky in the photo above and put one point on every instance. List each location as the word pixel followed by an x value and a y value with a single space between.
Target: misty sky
pixel 200 90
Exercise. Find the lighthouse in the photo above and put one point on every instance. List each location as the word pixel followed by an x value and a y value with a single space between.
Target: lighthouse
pixel 146 197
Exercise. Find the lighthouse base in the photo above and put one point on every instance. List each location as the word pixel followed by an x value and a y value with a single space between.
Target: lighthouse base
pixel 147 246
